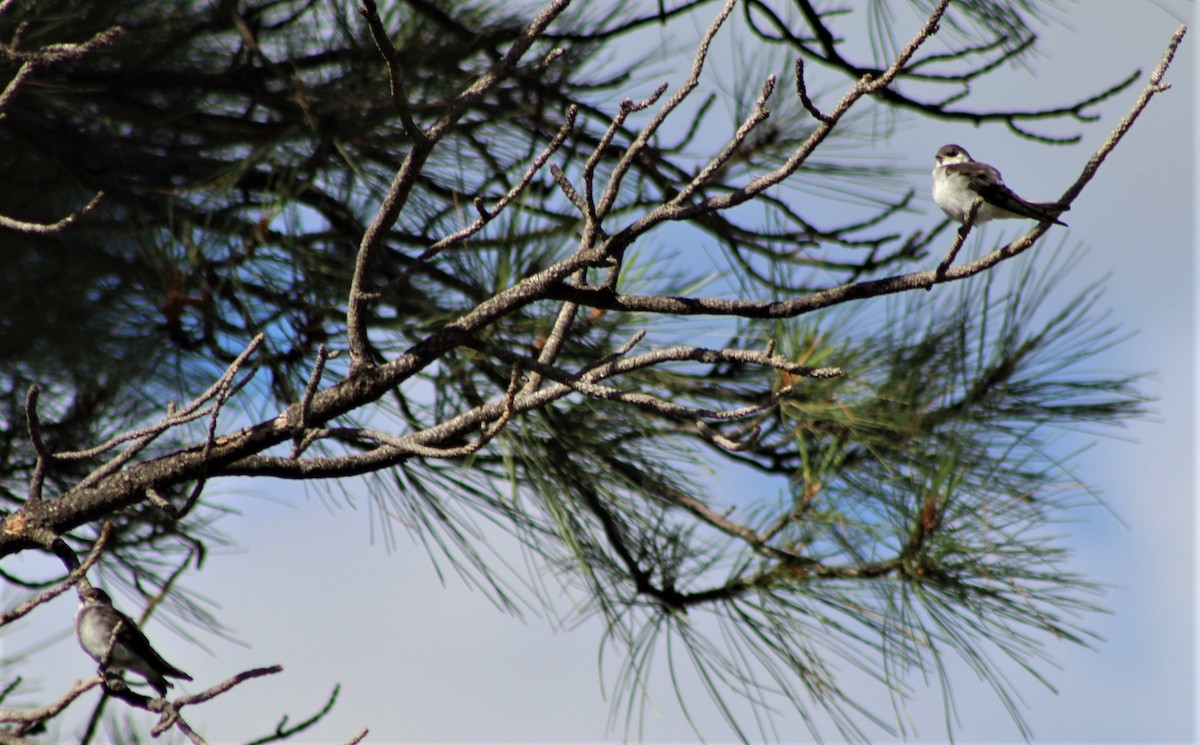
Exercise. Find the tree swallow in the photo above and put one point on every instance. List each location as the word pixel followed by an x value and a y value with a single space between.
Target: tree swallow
pixel 115 641
pixel 958 180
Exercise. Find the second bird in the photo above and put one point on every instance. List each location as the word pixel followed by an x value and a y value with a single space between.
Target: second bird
pixel 115 641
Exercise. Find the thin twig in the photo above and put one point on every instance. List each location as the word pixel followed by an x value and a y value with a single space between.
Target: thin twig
pixel 423 443
pixel 487 214
pixel 867 85
pixel 209 443
pixel 310 390
pixel 158 500
pixel 406 178
pixel 409 446
pixel 627 107
pixel 221 390
pixel 713 435
pixel 1152 88
pixel 55 53
pixel 635 148
pixel 568 189
pixel 193 496
pixel 46 56
pixel 588 382
pixel 758 116
pixel 554 341
pixel 174 417
pixel 362 735
pixel 960 237
pixel 46 228
pixel 510 398
pixel 383 43
pixel 621 351
pixel 43 713
pixel 170 712
pixel 39 447
pixel 283 731
pixel 802 93
pixel 181 724
pixel 67 583
pixel 10 91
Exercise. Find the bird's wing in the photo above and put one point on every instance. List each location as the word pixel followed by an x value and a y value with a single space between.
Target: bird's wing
pixel 136 642
pixel 986 181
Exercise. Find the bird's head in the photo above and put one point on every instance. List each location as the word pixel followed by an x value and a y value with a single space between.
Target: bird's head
pixel 89 595
pixel 952 154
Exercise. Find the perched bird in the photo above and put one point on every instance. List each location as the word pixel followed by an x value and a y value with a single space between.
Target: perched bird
pixel 958 180
pixel 115 641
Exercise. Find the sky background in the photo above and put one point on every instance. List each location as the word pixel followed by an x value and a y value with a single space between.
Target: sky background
pixel 315 588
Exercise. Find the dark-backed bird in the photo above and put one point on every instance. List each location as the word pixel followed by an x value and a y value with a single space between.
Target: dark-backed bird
pixel 116 642
pixel 958 181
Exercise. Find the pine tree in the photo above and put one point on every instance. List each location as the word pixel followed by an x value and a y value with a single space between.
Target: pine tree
pixel 448 246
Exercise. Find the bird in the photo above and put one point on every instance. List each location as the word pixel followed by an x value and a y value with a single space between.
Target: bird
pixel 958 180
pixel 112 638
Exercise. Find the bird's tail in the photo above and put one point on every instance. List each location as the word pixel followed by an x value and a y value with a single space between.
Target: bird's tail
pixel 1051 210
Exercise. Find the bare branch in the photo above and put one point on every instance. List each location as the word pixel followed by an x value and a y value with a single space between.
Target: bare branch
pixel 310 390
pixel 858 290
pixel 221 390
pixel 963 230
pixel 226 685
pixel 802 93
pixel 158 500
pixel 80 570
pixel 588 382
pixel 27 719
pixel 283 731
pixel 487 214
pixel 54 227
pixel 553 343
pixel 362 735
pixel 731 148
pixel 30 62
pixel 867 85
pixel 383 43
pixel 406 178
pixel 568 189
pixel 622 167
pixel 1153 87
pixel 54 53
pixel 713 435
pixel 39 447
pixel 408 446
pixel 826 52
pixel 626 108
pixel 174 417
pixel 169 711
pixel 621 351
pixel 422 443
pixel 24 72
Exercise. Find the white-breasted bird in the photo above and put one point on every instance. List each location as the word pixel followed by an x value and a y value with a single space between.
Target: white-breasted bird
pixel 116 642
pixel 958 180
